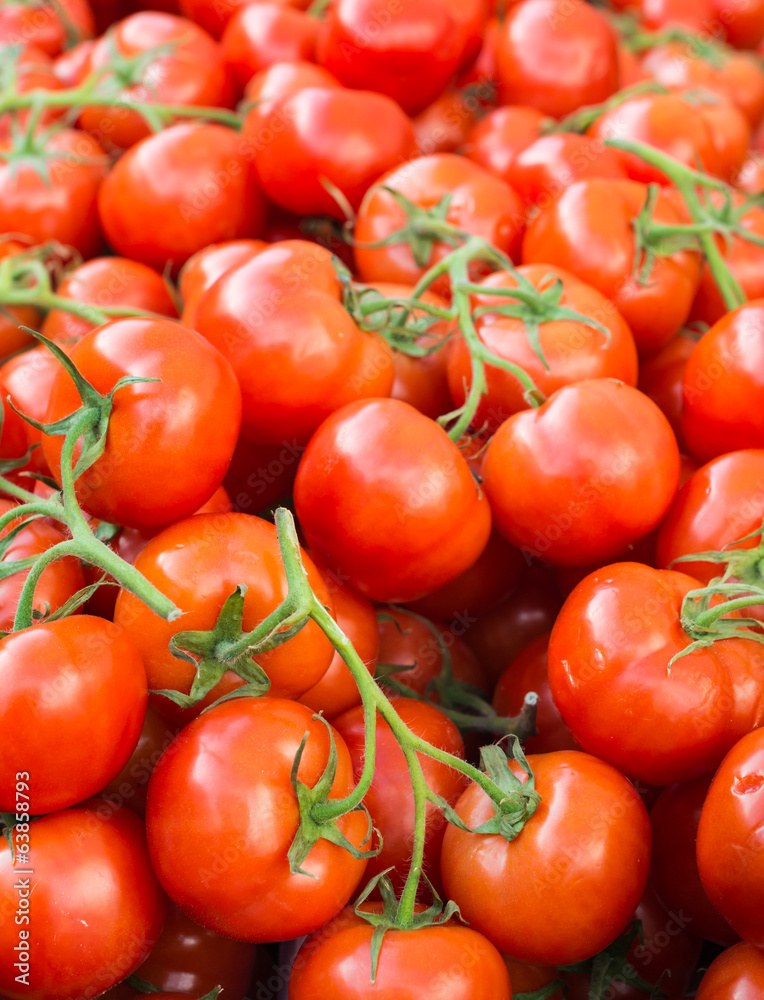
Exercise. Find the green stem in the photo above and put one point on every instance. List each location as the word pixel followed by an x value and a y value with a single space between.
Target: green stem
pixel 41 298
pixel 707 619
pixel 420 789
pixel 23 617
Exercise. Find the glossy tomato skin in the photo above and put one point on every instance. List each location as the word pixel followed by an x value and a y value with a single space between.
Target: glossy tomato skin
pixel 627 616
pixel 737 974
pixel 201 271
pixel 724 385
pixel 270 314
pixel 282 79
pixel 588 231
pixel 131 784
pixel 661 377
pixel 95 907
pixel 45 26
pixel 223 857
pixel 27 378
pixel 149 473
pixel 261 34
pixel 549 895
pixel 461 965
pixel 573 350
pixel 729 838
pixel 176 192
pixel 497 140
pixel 327 133
pixel 583 504
pixel 385 496
pixel 556 57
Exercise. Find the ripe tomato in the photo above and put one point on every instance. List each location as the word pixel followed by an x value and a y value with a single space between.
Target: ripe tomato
pixel 743 26
pixel 201 271
pixel 261 34
pixel 655 726
pixel 384 496
pixel 724 385
pixel 176 192
pixel 267 316
pixel 556 56
pixel 612 484
pixel 107 281
pixel 497 140
pixel 50 27
pixel 261 475
pixel 27 378
pixel 529 896
pixel 444 125
pixel 212 15
pixel 695 15
pixel 729 854
pixel 661 377
pixel 92 903
pixel 543 170
pixel 737 974
pixel 588 231
pixel 33 70
pixel 13 318
pixel 573 350
pixel 222 857
pixel 317 127
pixel 149 473
pixel 131 784
pixel 280 80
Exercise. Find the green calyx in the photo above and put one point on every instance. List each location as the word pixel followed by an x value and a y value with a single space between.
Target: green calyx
pixel 423 228
pixel 520 800
pixel 612 966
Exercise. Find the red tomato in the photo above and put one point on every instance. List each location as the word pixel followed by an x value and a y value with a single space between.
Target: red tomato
pixel 585 851
pixel 193 410
pixel 724 385
pixel 222 857
pixel 496 141
pixel 50 27
pixel 661 377
pixel 33 70
pixel 201 271
pixel 742 25
pixel 737 974
pixel 261 475
pixel 730 860
pixel 556 56
pixel 271 314
pixel 27 378
pixel 276 82
pixel 72 65
pixel 573 350
pixel 656 726
pixel 444 125
pixel 176 192
pixel 212 15
pixel 695 15
pixel 131 784
pixel 385 496
pixel 318 129
pixel 93 904
pixel 261 34
pixel 588 231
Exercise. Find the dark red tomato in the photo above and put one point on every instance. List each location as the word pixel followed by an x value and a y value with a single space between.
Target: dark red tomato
pixel 201 271
pixel 737 974
pixel 72 706
pixel 730 860
pixel 107 281
pixel 588 231
pixel 271 314
pixel 661 377
pixel 337 691
pixel 573 350
pixel 526 978
pixel 261 475
pixel 51 194
pixel 222 855
pixel 724 385
pixel 92 904
pixel 261 34
pixel 528 672
pixel 654 725
pixel 497 140
pixel 543 170
pixel 176 192
pixel 743 25
pixel 188 70
pixel 674 872
pixel 198 563
pixel 27 378
pixel 326 134
pixel 556 56
pixel 390 800
pixel 194 410
pixel 384 496
pixel 560 891
pixel 50 27
pixel 409 53
pixel 481 205
pixel 583 503
pixel 131 784
pixel 335 964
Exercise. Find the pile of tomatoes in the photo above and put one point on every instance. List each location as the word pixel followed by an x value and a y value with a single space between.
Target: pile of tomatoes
pixel 381 499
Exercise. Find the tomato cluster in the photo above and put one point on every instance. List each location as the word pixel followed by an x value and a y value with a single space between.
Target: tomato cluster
pixel 381 499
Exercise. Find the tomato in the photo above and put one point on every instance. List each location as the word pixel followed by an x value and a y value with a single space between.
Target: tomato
pixel 176 192
pixel 737 974
pixel 661 377
pixel 50 27
pixel 51 194
pixel 27 378
pixel 384 496
pixel 526 978
pixel 335 964
pixel 201 271
pixel 188 69
pixel 573 350
pixel 656 726
pixel 481 205
pixel 222 857
pixel 130 785
pixel 272 85
pixel 317 129
pixel 588 231
pixel 728 848
pixel 270 314
pixel 585 850
pixel 13 318
pixel 107 281
pixel 556 56
pixel 751 176
pixel 212 15
pixel 198 563
pixel 444 125
pixel 261 34
pixel 72 65
pixel 496 141
pixel 261 475
pixel 193 410
pixel 92 903
pixel 675 877
pixel 723 385
pixel 743 25
pixel 33 70
pixel 695 15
